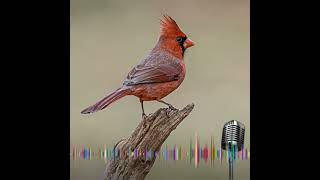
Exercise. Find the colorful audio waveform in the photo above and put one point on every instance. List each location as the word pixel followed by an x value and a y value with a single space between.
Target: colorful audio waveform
pixel 196 153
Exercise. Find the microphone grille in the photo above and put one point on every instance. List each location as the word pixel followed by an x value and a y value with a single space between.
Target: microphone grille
pixel 233 134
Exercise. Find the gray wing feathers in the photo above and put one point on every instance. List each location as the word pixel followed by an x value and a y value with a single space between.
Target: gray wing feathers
pixel 155 69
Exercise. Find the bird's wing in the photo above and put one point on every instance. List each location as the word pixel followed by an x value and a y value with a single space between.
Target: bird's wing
pixel 164 70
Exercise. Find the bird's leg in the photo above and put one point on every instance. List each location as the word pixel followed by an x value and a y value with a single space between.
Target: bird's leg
pixel 143 114
pixel 170 106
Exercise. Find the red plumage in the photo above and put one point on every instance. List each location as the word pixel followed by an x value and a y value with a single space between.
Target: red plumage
pixel 160 73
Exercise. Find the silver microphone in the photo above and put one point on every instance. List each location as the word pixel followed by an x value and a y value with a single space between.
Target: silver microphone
pixel 232 139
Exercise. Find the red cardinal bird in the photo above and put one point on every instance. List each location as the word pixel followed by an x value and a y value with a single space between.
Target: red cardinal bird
pixel 160 73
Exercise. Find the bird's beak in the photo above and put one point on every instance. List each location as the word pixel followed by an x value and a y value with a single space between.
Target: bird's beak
pixel 188 43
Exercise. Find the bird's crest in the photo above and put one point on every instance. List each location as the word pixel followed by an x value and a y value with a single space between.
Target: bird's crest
pixel 169 26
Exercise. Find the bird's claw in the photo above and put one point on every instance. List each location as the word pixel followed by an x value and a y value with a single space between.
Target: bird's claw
pixel 172 108
pixel 144 116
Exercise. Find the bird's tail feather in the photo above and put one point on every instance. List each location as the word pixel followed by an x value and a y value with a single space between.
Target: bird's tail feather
pixel 103 103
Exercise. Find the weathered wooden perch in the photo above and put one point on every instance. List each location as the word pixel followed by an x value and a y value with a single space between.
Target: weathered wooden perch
pixel 149 135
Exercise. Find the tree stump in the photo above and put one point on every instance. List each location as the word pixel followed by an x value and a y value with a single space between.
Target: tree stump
pixel 149 135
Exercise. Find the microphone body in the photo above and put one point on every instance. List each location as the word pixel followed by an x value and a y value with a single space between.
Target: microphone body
pixel 232 141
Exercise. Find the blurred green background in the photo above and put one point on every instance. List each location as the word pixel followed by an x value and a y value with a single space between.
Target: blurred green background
pixel 109 37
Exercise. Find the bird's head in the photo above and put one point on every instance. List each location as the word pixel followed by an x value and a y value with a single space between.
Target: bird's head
pixel 172 39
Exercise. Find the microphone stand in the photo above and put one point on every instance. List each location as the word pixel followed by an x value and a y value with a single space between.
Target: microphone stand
pixel 231 161
pixel 230 168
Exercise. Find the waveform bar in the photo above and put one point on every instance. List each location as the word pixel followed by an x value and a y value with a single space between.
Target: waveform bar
pixel 196 152
pixel 176 153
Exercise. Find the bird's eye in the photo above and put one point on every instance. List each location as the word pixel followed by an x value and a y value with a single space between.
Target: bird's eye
pixel 179 39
